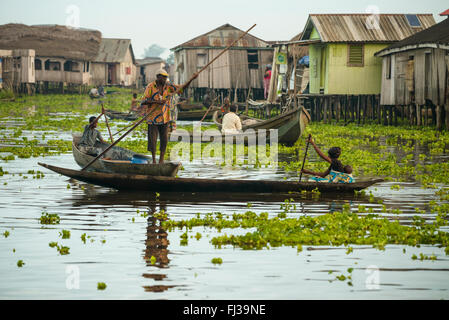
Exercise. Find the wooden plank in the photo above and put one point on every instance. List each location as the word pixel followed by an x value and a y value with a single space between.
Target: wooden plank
pixel 419 75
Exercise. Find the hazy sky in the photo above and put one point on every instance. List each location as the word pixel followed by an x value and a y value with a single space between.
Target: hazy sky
pixel 169 23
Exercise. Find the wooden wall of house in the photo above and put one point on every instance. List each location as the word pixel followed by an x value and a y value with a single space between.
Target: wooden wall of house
pixel 416 76
pixel 419 83
pixel 150 71
pixel 99 73
pixel 122 76
pixel 230 70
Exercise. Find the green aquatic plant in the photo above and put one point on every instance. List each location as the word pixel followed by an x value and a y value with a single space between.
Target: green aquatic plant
pixel 101 286
pixel 20 263
pixel 53 244
pixel 217 260
pixel 6 234
pixel 335 229
pixel 65 234
pixel 49 218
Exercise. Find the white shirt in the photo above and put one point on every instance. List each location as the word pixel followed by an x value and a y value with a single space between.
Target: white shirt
pixel 231 123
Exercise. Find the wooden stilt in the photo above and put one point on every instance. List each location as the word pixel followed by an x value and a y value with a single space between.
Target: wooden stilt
pixel 438 117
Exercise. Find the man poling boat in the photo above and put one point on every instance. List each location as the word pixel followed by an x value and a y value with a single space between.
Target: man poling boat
pixel 156 106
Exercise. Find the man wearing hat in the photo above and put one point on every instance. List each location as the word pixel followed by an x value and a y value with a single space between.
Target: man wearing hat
pixel 157 103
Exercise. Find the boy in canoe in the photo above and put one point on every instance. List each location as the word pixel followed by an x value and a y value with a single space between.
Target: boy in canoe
pixel 90 137
pixel 336 171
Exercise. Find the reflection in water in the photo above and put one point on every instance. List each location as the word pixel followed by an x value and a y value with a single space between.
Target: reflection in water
pixel 156 248
pixel 157 242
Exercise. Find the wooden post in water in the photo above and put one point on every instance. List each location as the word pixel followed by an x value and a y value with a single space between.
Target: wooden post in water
pixel 325 115
pixel 418 114
pixel 438 117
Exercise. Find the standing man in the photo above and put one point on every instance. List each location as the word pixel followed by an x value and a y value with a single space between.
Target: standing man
pixel 157 103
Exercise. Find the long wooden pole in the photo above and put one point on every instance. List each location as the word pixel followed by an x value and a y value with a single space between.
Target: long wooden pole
pixel 210 107
pixel 305 155
pixel 183 86
pixel 107 124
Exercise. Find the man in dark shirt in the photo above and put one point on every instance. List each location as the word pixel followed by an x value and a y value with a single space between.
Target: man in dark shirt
pixel 90 137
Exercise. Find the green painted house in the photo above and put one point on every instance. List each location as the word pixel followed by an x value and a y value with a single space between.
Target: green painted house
pixel 343 60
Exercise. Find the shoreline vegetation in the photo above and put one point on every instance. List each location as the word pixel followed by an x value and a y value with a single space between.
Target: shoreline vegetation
pixel 41 125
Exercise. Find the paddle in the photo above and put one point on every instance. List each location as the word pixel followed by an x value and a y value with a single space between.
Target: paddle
pixel 211 105
pixel 107 124
pixel 305 155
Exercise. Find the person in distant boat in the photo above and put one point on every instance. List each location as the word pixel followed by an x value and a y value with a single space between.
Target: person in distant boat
pixel 231 121
pixel 101 90
pixel 89 138
pixel 93 93
pixel 157 104
pixel 266 81
pixel 134 104
pixel 336 170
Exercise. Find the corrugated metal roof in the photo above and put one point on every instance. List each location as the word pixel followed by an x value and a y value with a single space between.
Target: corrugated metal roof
pixel 148 60
pixel 222 37
pixel 364 27
pixel 436 34
pixel 114 50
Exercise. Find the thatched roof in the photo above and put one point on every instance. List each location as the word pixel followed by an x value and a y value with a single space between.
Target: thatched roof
pixel 51 40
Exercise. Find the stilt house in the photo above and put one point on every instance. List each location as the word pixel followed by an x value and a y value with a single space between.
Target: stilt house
pixel 415 75
pixel 343 60
pixel 241 67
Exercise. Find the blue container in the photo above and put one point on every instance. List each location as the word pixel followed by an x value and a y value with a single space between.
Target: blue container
pixel 139 159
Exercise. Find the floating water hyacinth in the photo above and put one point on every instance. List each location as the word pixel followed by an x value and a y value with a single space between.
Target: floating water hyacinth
pixel 49 218
pixel 217 260
pixel 101 286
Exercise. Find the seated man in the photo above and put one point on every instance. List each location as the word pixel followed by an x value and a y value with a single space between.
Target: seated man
pixel 93 93
pixel 89 138
pixel 231 122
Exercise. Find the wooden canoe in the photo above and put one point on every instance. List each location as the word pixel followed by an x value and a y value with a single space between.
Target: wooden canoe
pixel 127 116
pixel 182 115
pixel 119 161
pixel 289 125
pixel 170 184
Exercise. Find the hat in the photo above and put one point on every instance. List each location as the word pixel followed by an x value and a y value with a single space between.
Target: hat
pixel 162 72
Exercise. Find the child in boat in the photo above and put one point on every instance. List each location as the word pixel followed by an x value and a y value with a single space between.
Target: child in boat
pixel 90 137
pixel 336 171
pixel 134 104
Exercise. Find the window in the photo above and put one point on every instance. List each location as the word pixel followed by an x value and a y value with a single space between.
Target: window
pixel 413 20
pixel 37 64
pixel 253 59
pixel 52 65
pixel 355 55
pixel 201 60
pixel 388 67
pixel 71 66
pixel 17 62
